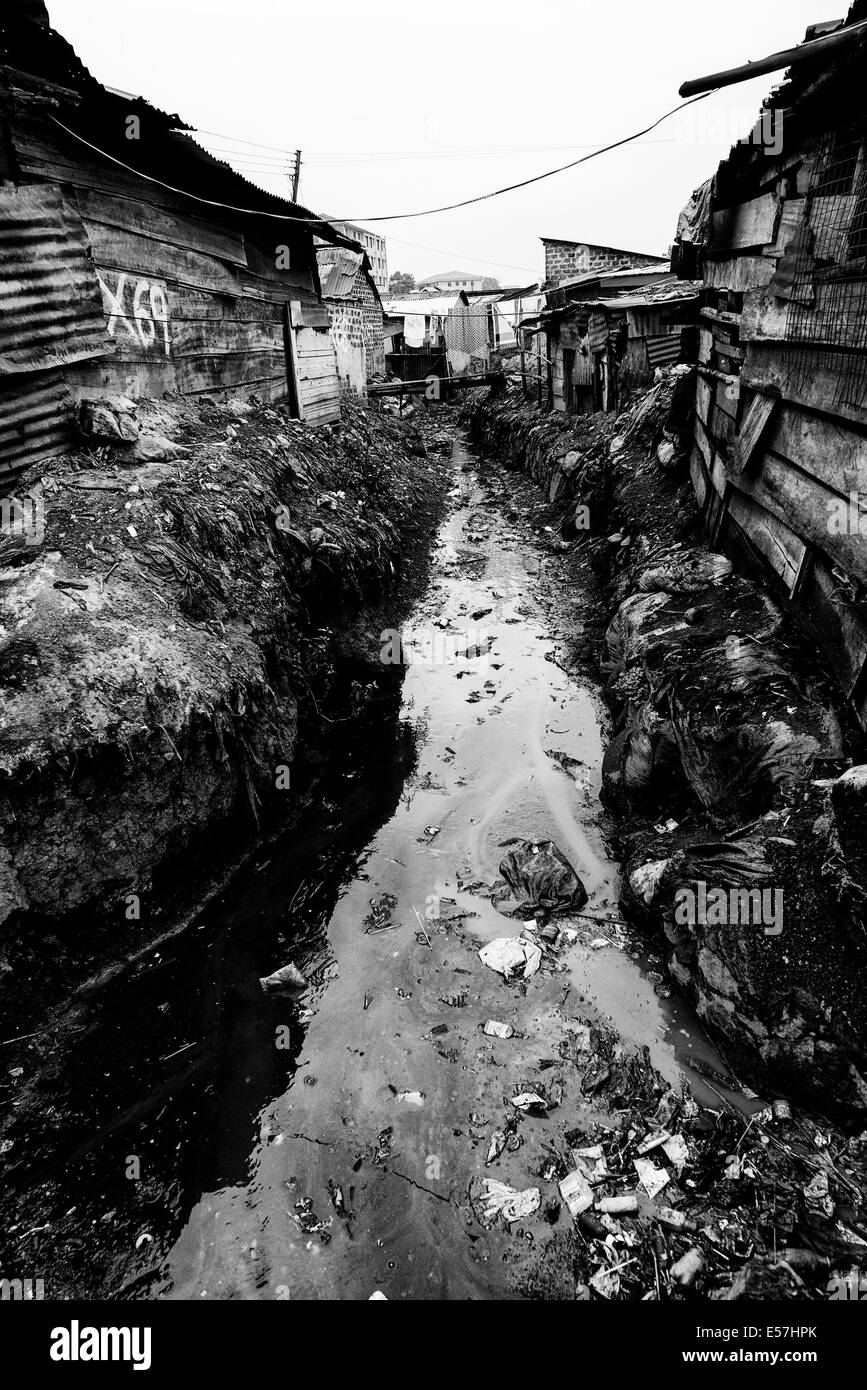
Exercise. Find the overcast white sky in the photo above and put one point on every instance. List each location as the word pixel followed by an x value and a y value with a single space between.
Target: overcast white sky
pixel 399 106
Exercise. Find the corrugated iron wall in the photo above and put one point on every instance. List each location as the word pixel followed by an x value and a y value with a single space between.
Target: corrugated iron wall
pixel 50 316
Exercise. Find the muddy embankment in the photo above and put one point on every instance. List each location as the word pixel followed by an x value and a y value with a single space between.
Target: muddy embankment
pixel 740 835
pixel 204 605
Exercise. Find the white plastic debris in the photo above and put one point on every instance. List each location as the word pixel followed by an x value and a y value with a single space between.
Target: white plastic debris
pixel 529 1100
pixel 606 1282
pixel 594 1152
pixel 513 957
pixel 508 1202
pixel 627 1205
pixel 653 1141
pixel 411 1097
pixel 576 1192
pixel 652 1179
pixel 645 880
pixel 289 977
pixel 377 1297
pixel 676 1151
pixel 498 1030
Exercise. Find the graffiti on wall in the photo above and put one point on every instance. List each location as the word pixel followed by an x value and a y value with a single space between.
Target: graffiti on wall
pixel 138 308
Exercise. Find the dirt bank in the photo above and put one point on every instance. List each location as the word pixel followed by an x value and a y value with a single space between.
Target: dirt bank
pixel 728 739
pixel 188 610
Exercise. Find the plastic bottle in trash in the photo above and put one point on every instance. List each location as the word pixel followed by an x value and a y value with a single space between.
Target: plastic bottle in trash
pixel 677 1220
pixel 626 1205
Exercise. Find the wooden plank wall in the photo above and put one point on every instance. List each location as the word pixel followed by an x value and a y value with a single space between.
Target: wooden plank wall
pixel 779 463
pixel 192 304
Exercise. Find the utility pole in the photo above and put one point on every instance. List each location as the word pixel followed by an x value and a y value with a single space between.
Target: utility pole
pixel 296 176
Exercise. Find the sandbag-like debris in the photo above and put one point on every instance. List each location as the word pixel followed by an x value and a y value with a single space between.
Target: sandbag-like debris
pixel 539 875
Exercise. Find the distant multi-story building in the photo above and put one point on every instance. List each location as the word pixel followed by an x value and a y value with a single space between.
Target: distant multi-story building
pixel 457 280
pixel 374 245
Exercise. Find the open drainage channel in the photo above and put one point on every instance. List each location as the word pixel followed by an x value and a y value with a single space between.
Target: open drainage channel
pixel 204 1138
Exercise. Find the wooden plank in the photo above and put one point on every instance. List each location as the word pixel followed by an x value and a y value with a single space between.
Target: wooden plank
pixel 791 217
pixel 832 382
pixel 739 273
pixel 833 452
pixel 718 476
pixel 747 225
pixel 773 540
pixel 756 421
pixel 698 476
pixel 159 225
pixel 704 443
pixel 811 511
pixel 228 371
pixel 703 399
pixel 837 319
pixel 115 249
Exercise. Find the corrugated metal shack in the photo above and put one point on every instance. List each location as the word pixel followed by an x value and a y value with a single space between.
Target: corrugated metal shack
pixel 355 311
pixel 607 334
pixel 123 266
pixel 780 456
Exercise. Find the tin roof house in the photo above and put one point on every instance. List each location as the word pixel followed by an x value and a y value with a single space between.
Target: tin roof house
pixel 133 261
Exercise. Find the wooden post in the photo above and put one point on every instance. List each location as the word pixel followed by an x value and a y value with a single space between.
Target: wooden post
pixel 292 384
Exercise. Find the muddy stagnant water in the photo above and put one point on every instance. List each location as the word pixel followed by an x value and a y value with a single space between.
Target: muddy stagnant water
pixel 202 1139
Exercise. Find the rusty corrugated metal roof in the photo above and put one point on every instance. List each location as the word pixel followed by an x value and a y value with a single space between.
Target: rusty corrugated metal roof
pixel 337 271
pixel 50 300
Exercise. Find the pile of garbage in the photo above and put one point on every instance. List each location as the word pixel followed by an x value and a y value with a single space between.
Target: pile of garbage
pixel 664 1199
pixel 739 832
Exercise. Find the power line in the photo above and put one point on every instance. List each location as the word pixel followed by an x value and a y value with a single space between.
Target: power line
pixel 394 216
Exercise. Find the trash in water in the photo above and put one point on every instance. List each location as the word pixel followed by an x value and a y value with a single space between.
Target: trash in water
pixel 576 1192
pixel 496 1146
pixel 289 977
pixel 676 1150
pixel 531 1101
pixel 514 957
pixel 498 1030
pixel 411 1097
pixel 539 875
pixel 627 1205
pixel 606 1282
pixel 501 1200
pixel 652 1179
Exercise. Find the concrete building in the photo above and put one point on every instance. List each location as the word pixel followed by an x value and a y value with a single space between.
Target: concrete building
pixel 456 280
pixel 374 245
pixel 567 258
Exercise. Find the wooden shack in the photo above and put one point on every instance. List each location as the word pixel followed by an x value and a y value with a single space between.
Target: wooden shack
pixel 779 462
pixel 134 262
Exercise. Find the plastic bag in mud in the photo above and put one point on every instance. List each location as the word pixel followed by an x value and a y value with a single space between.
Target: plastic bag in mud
pixel 540 876
pixel 513 957
pixel 688 573
pixel 641 620
pixel 640 760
